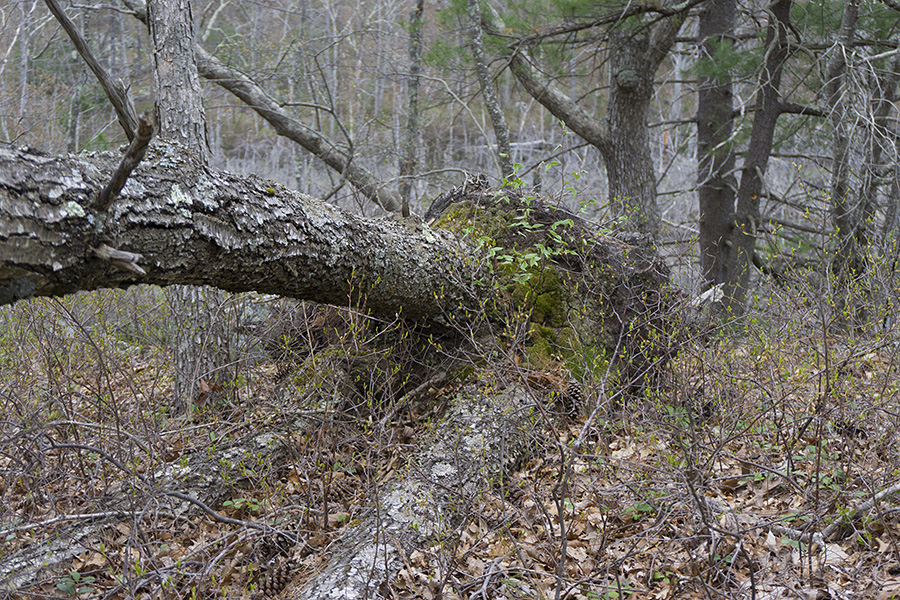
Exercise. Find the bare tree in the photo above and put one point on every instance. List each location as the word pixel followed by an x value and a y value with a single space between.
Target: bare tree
pixel 738 259
pixel 489 92
pixel 321 146
pixel 408 151
pixel 621 135
pixel 201 348
pixel 716 184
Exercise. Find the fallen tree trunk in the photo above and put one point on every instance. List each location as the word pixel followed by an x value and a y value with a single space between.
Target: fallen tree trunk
pixel 198 226
pixel 174 492
pixel 574 294
pixel 468 453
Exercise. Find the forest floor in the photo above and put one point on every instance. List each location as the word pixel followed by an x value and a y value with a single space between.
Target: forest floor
pixel 712 486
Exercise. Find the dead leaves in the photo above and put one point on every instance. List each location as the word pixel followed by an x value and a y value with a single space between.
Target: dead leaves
pixel 661 510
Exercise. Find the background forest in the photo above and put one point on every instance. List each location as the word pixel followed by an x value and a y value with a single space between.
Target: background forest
pixel 394 89
pixel 755 142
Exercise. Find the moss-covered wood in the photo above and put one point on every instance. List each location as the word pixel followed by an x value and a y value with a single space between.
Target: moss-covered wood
pixel 587 294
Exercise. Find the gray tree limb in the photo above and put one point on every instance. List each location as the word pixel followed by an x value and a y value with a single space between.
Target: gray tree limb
pixel 265 106
pixel 409 147
pixel 716 183
pixel 739 254
pixel 468 453
pixel 115 92
pixel 488 92
pixel 175 489
pixel 622 136
pixel 248 91
pixel 543 90
pixel 195 225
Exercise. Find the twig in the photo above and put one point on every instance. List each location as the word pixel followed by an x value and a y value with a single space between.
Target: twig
pixel 806 537
pixel 133 156
pixel 862 508
pixel 127 261
pixel 820 537
pixel 175 494
pixel 130 436
pixel 61 518
pixel 487 580
pixel 116 93
pixel 883 54
pixel 413 396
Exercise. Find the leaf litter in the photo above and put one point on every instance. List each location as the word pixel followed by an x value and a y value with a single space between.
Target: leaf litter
pixel 757 470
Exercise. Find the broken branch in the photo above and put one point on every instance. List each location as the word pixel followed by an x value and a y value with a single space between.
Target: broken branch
pixel 127 261
pixel 133 156
pixel 117 94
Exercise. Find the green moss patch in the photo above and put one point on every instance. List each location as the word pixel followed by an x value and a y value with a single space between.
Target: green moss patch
pixel 582 295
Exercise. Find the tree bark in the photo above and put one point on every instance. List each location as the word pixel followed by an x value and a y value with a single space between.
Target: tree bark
pixel 739 258
pixel 488 92
pixel 179 102
pixel 634 59
pixel 199 226
pixel 408 151
pixel 715 153
pixel 469 453
pixel 848 213
pixel 202 346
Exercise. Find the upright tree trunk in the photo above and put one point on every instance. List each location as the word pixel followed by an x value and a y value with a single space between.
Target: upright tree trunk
pixel 26 8
pixel 848 262
pixel 72 128
pixel 200 348
pixel 408 153
pixel 716 184
pixel 623 137
pixel 489 92
pixel 179 102
pixel 739 256
pixel 629 160
pixel 887 96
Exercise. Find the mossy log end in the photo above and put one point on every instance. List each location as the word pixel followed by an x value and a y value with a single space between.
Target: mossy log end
pixel 586 292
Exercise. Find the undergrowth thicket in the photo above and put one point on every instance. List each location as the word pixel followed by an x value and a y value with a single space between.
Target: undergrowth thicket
pixel 762 463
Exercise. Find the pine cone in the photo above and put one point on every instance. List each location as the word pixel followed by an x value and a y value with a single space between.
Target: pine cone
pixel 572 397
pixel 276 579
